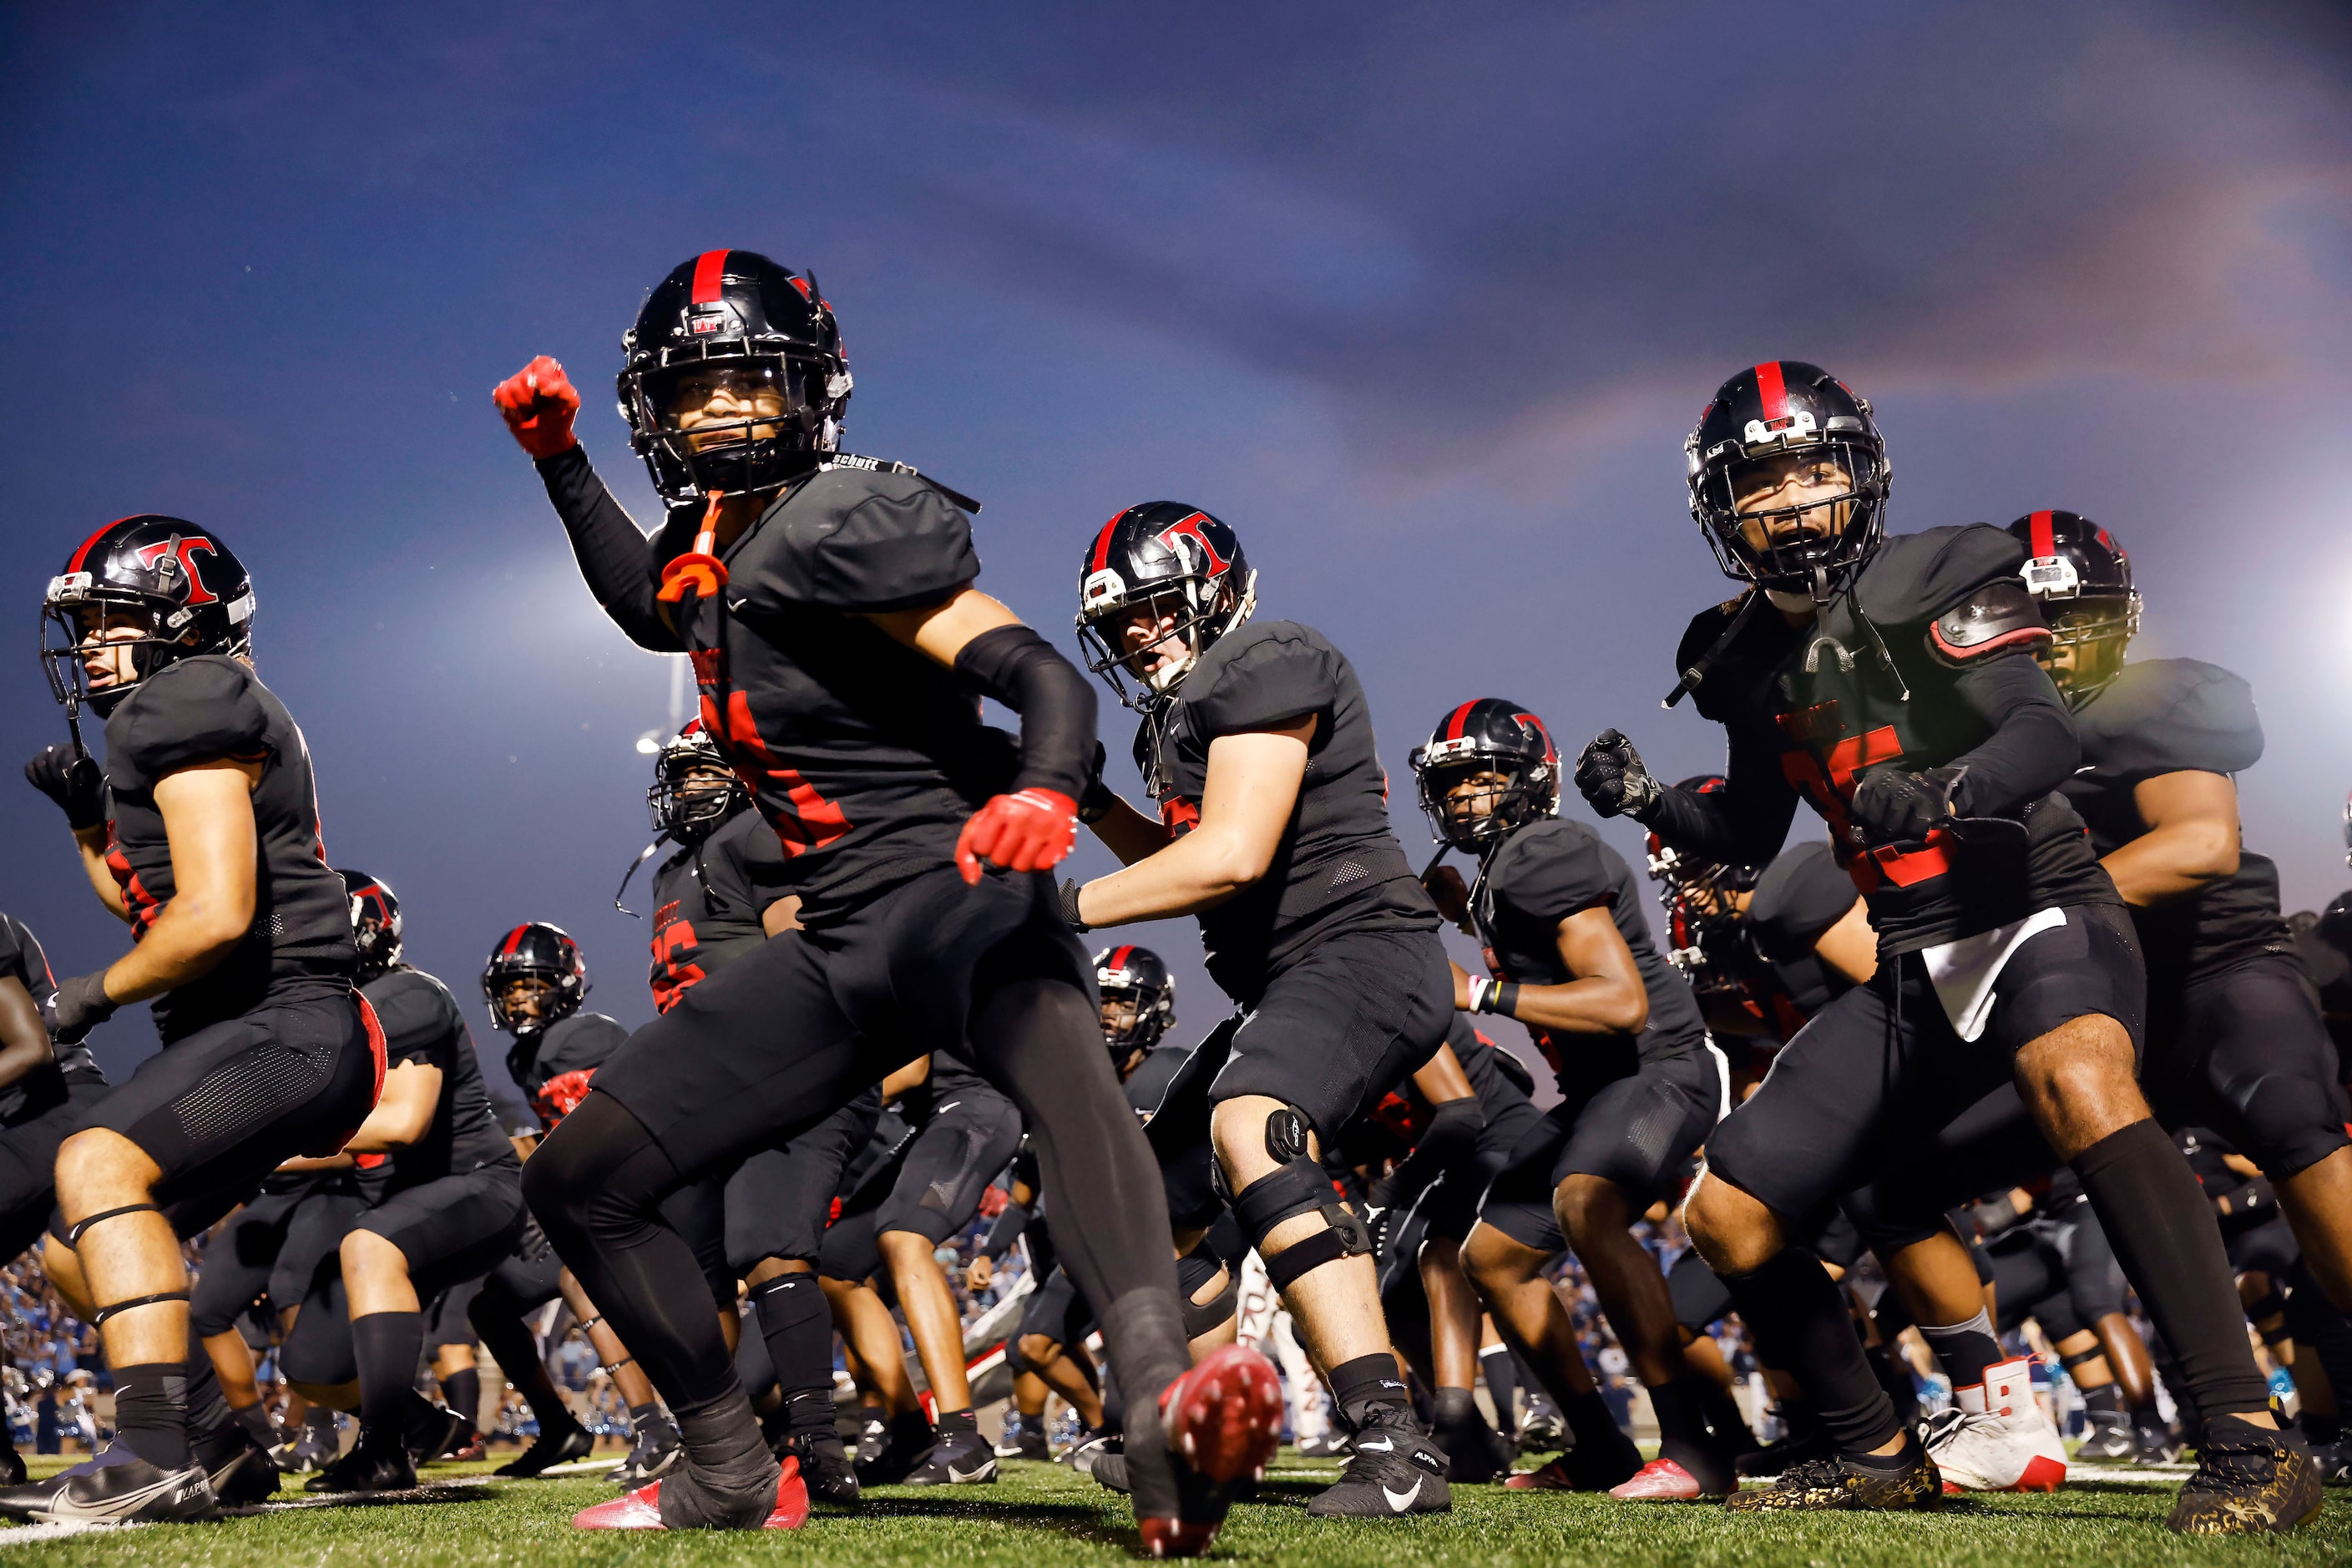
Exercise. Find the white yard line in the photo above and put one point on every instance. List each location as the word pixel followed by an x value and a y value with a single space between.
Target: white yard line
pixel 55 1530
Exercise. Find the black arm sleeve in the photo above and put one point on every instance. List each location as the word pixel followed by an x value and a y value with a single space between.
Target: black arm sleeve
pixel 2032 747
pixel 1743 824
pixel 1011 1221
pixel 1451 1140
pixel 1021 669
pixel 613 554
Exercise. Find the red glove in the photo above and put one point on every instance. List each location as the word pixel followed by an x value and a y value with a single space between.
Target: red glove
pixel 538 403
pixel 1028 831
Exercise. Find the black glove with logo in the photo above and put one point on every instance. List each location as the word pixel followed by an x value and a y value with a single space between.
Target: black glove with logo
pixel 78 1007
pixel 74 780
pixel 1612 780
pixel 1891 806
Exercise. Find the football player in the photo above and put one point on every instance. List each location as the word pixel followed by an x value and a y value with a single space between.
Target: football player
pixel 1889 681
pixel 828 606
pixel 718 898
pixel 1559 916
pixel 47 1088
pixel 201 833
pixel 447 1207
pixel 1271 824
pixel 2236 1042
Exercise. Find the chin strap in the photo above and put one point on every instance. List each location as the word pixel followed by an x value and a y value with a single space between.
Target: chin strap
pixel 643 856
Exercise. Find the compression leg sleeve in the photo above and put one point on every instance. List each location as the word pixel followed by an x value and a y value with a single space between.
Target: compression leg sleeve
pixel 498 1324
pixel 1801 1324
pixel 798 1328
pixel 2162 1229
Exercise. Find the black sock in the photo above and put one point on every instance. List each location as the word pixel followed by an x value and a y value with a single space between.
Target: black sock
pixel 1902 1460
pixel 255 1419
pixel 953 1422
pixel 1357 1385
pixel 208 1410
pixel 798 1328
pixel 2161 1226
pixel 1454 1408
pixel 2107 1397
pixel 647 1418
pixel 1964 1350
pixel 1683 1437
pixel 462 1390
pixel 1500 1369
pixel 2320 1426
pixel 1590 1423
pixel 150 1412
pixel 387 1345
pixel 1722 1413
pixel 1896 1378
pixel 1802 1325
pixel 510 1344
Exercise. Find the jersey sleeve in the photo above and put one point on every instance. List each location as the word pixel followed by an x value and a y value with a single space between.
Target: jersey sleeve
pixel 2173 715
pixel 21 956
pixel 420 1020
pixel 1698 638
pixel 1551 871
pixel 859 542
pixel 1800 896
pixel 199 711
pixel 1917 577
pixel 1278 674
pixel 765 870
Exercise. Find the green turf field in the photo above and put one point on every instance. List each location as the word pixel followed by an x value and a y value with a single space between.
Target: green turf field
pixel 1041 1514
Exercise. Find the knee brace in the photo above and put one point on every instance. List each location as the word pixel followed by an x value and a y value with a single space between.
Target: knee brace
pixel 1298 1187
pixel 1194 1269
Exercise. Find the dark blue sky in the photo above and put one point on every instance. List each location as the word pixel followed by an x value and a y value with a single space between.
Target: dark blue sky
pixel 1422 299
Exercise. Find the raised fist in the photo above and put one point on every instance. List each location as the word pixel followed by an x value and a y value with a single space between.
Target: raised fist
pixel 74 780
pixel 538 403
pixel 1611 777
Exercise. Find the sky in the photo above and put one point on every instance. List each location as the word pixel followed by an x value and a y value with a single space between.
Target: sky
pixel 1422 299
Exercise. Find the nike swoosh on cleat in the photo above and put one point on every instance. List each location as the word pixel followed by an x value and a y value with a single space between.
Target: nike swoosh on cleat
pixel 965 1477
pixel 1400 1501
pixel 1378 1446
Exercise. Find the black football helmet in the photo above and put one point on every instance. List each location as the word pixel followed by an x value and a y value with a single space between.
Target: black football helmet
pixel 375 924
pixel 733 321
pixel 1178 560
pixel 683 807
pixel 537 951
pixel 2084 579
pixel 1127 973
pixel 1768 410
pixel 1487 734
pixel 1699 895
pixel 175 583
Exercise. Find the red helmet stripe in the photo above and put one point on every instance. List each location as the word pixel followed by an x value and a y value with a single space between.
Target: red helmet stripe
pixel 514 940
pixel 2045 542
pixel 1102 544
pixel 1772 390
pixel 1119 959
pixel 1460 716
pixel 707 269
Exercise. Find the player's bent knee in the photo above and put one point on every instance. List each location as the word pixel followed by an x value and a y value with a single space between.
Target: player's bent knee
pixel 1296 1186
pixel 101 1159
pixel 1732 1230
pixel 1583 1204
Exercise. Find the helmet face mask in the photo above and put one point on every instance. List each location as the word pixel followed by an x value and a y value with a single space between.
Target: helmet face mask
pixel 1161 583
pixel 535 978
pixel 1788 477
pixel 140 594
pixel 1138 1000
pixel 736 380
pixel 1705 903
pixel 694 789
pixel 1489 767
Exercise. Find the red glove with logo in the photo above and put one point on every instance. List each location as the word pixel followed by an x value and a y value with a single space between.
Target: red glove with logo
pixel 1029 830
pixel 538 403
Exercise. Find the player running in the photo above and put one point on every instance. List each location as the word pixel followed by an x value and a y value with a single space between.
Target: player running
pixel 1889 681
pixel 201 833
pixel 827 604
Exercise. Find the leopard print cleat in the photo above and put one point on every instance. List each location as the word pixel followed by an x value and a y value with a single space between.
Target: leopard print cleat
pixel 1838 1483
pixel 2249 1480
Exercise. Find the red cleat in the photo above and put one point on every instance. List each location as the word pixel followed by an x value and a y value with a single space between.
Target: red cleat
pixel 641 1509
pixel 1660 1480
pixel 1223 1419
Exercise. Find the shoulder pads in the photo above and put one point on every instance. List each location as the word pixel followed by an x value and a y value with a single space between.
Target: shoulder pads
pixel 1995 619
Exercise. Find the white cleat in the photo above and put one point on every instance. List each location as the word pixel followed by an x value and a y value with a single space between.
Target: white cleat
pixel 2008 1446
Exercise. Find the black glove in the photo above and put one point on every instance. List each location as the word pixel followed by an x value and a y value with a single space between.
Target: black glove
pixel 1613 782
pixel 1891 806
pixel 1095 800
pixel 75 781
pixel 1070 907
pixel 78 1007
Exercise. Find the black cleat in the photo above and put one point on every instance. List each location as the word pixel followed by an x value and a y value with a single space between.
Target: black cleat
pixel 240 1470
pixel 826 1469
pixel 1474 1452
pixel 957 1459
pixel 1025 1442
pixel 906 1445
pixel 2111 1440
pixel 1089 1450
pixel 1396 1470
pixel 873 1437
pixel 1785 1454
pixel 2333 1461
pixel 561 1446
pixel 378 1462
pixel 2157 1445
pixel 653 1453
pixel 312 1449
pixel 126 1490
pixel 2249 1480
pixel 1832 1483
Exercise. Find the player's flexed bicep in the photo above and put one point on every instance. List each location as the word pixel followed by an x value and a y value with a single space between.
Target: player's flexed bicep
pixel 1032 827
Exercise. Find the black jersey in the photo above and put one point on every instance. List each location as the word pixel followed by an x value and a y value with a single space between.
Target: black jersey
pixel 708 899
pixel 1802 894
pixel 2174 715
pixel 1538 876
pixel 421 1024
pixel 865 756
pixel 1880 692
pixel 22 960
pixel 1338 866
pixel 1146 1086
pixel 204 709
pixel 552 1065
